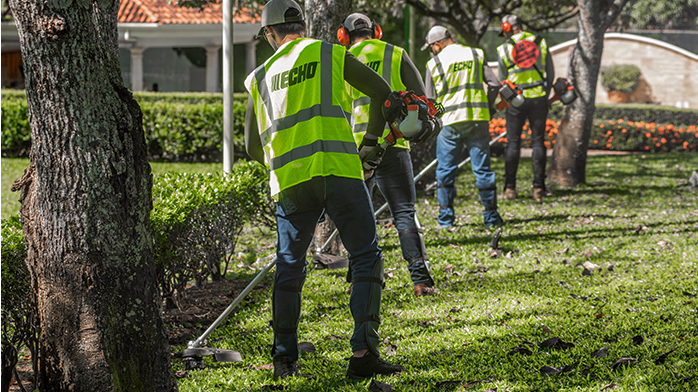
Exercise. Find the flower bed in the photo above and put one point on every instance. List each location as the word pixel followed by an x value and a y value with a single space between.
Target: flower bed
pixel 618 135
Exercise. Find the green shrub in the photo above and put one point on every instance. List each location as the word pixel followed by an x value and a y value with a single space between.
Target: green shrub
pixel 179 127
pixel 197 218
pixel 635 112
pixel 16 134
pixel 623 78
pixel 18 310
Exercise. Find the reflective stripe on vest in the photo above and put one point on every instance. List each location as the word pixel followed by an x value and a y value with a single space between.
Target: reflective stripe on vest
pixel 301 105
pixel 458 77
pixel 529 79
pixel 386 60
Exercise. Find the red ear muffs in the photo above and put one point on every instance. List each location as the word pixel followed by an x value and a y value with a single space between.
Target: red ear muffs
pixel 377 32
pixel 506 27
pixel 343 36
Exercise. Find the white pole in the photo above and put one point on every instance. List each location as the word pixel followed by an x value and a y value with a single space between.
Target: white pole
pixel 228 86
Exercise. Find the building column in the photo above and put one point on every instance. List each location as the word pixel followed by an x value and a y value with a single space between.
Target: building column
pixel 137 68
pixel 212 68
pixel 251 56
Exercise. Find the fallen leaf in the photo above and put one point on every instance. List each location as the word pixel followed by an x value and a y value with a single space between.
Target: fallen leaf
pixel 268 366
pixel 391 350
pixel 549 342
pixel 600 353
pixel 587 252
pixel 663 243
pixel 623 362
pixel 662 358
pixel 181 373
pixel 377 386
pixel 306 347
pixel 590 265
pixel 549 370
pixel 423 323
pixel 520 350
pixel 609 386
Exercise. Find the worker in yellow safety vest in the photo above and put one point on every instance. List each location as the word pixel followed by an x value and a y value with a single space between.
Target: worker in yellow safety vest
pixel 524 59
pixel 454 77
pixel 394 175
pixel 297 124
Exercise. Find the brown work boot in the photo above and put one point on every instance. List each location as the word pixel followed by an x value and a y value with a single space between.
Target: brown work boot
pixel 509 194
pixel 538 194
pixel 422 290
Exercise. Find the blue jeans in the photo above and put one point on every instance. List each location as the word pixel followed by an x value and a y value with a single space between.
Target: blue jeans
pixel 347 203
pixel 449 143
pixel 395 180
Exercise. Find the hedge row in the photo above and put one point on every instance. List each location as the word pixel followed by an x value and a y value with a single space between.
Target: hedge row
pixel 196 221
pixel 182 127
pixel 189 127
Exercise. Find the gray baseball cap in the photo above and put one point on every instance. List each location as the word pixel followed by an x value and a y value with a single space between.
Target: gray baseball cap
pixel 436 34
pixel 357 21
pixel 274 12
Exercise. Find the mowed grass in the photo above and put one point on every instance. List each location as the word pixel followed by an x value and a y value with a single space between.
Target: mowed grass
pixel 493 323
pixel 628 324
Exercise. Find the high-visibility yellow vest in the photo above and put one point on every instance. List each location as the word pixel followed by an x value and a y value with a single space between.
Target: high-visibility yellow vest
pixel 529 79
pixel 386 60
pixel 458 78
pixel 302 105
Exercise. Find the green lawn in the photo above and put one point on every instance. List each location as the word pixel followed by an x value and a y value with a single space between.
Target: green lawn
pixel 636 220
pixel 491 324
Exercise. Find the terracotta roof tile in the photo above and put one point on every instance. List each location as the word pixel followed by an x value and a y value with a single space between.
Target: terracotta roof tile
pixel 160 12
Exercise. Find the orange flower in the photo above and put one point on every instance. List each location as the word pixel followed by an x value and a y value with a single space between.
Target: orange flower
pixel 663 141
pixel 624 130
pixel 647 147
pixel 596 142
pixel 647 135
pixel 685 145
pixel 601 126
pixel 659 144
pixel 620 120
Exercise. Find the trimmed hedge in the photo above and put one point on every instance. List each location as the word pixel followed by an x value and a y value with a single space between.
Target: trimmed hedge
pixel 636 112
pixel 195 221
pixel 179 127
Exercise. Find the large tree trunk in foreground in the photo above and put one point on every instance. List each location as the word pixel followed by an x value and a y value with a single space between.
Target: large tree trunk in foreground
pixel 568 163
pixel 323 18
pixel 86 201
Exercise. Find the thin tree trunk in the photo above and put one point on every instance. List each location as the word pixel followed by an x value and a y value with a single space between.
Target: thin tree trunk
pixel 568 163
pixel 86 201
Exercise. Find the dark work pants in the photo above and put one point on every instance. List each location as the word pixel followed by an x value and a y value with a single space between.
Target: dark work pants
pixel 536 111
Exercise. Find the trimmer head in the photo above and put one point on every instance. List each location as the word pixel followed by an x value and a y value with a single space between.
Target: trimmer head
pixel 193 357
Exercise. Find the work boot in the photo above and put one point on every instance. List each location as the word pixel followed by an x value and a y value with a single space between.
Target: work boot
pixel 283 370
pixel 370 364
pixel 422 289
pixel 509 194
pixel 538 194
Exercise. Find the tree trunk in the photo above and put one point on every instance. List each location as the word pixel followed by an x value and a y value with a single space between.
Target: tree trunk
pixel 323 18
pixel 568 162
pixel 86 201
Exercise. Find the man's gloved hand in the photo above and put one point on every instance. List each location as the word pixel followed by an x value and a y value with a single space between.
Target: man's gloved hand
pixel 370 157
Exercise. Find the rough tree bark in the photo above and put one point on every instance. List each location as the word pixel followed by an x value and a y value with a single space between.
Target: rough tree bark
pixel 85 206
pixel 568 162
pixel 323 18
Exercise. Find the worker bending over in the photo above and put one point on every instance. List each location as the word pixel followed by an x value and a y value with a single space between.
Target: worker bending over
pixel 454 77
pixel 297 124
pixel 393 175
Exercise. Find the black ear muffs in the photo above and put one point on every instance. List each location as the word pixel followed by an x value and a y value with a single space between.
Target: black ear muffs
pixel 506 27
pixel 343 36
